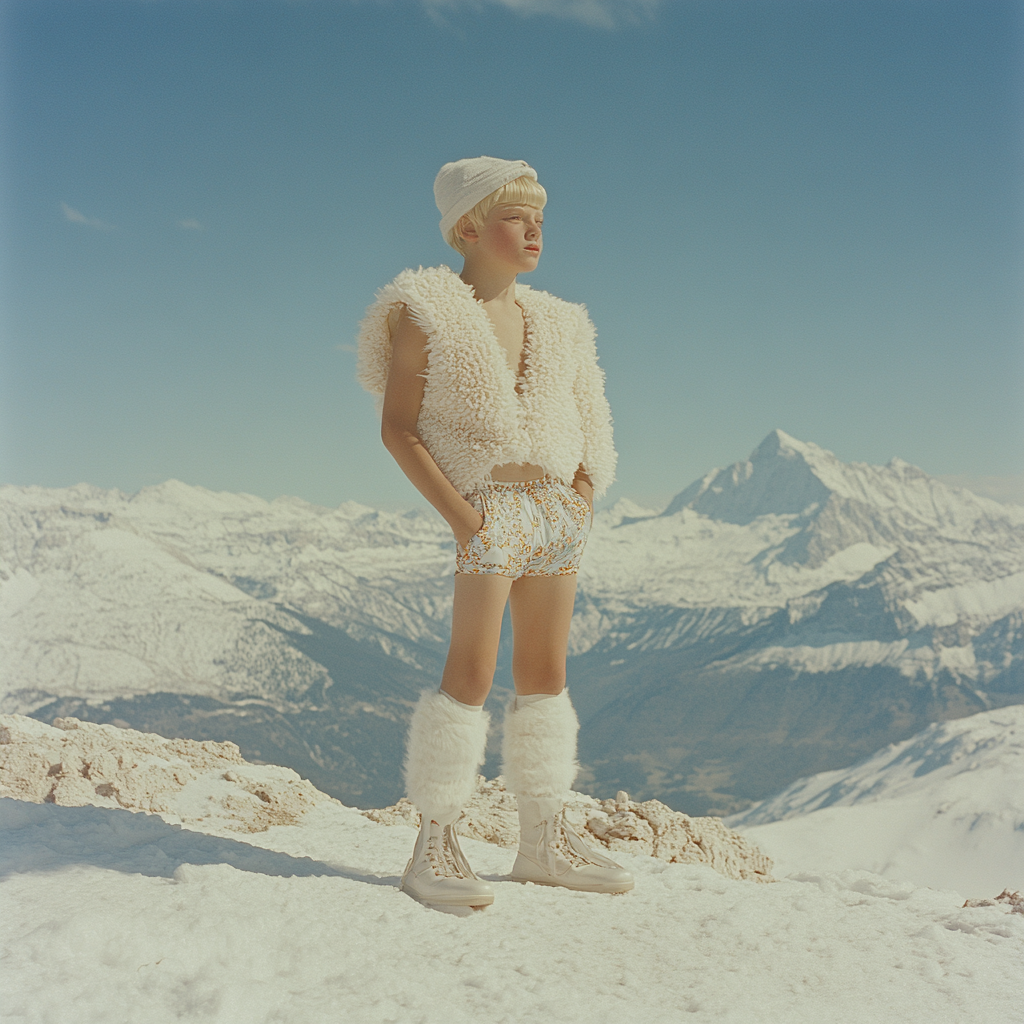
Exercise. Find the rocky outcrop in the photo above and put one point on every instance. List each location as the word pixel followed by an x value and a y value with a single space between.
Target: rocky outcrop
pixel 1011 901
pixel 647 828
pixel 208 784
pixel 75 764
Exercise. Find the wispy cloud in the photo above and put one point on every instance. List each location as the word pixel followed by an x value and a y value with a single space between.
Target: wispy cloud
pixel 191 224
pixel 73 215
pixel 596 13
pixel 605 14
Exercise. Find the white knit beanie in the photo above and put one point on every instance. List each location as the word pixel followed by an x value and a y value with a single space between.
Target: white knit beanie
pixel 460 185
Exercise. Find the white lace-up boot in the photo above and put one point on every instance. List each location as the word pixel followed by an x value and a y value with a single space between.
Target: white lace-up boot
pixel 539 752
pixel 439 872
pixel 551 852
pixel 444 748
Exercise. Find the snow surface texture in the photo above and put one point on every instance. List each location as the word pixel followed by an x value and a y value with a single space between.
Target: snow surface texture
pixel 112 916
pixel 78 764
pixel 944 808
pixel 645 829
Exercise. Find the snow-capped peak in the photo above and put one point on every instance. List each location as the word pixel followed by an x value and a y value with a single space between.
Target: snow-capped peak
pixel 783 476
pixel 787 477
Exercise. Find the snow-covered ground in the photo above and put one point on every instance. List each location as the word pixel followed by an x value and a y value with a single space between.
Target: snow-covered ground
pixel 944 808
pixel 114 916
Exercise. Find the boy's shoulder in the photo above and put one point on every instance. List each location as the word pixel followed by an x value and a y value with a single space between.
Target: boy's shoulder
pixel 426 290
pixel 441 283
pixel 537 298
pixel 423 279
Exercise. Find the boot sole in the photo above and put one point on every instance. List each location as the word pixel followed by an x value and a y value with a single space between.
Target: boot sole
pixel 610 889
pixel 451 901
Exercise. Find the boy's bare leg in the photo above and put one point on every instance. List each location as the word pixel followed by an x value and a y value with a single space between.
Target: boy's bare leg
pixel 539 747
pixel 541 616
pixel 476 630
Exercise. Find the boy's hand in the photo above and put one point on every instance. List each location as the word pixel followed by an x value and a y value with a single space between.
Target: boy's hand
pixel 585 489
pixel 466 531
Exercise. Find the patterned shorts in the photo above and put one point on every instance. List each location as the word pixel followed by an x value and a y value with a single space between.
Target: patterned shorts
pixel 532 528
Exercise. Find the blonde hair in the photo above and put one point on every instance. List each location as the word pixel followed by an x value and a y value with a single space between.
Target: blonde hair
pixel 524 191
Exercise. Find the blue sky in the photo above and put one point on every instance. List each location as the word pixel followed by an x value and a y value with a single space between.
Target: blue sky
pixel 803 215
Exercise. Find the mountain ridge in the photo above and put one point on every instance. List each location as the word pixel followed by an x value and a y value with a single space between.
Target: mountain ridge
pixel 945 806
pixel 889 585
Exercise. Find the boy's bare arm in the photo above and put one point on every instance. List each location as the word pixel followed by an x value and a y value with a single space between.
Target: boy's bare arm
pixel 581 483
pixel 402 399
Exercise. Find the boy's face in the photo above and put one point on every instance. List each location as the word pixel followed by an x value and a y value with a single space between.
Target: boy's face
pixel 511 235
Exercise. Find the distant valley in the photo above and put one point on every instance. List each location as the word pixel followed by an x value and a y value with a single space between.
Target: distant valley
pixel 787 615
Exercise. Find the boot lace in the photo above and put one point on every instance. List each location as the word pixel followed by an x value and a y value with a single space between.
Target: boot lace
pixel 445 855
pixel 562 843
pixel 456 855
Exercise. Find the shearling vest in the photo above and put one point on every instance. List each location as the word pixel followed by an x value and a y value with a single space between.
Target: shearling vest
pixel 472 418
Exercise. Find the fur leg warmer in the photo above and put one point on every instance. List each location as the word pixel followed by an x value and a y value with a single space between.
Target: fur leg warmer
pixel 539 748
pixel 443 749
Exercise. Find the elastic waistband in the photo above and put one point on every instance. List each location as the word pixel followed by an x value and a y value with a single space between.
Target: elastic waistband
pixel 524 485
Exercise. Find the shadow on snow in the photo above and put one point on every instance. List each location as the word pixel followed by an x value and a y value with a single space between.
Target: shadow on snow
pixel 48 838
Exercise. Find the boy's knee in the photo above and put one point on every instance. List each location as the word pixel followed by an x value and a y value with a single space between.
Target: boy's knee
pixel 471 676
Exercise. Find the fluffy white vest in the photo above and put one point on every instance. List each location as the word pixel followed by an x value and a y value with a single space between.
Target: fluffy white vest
pixel 472 418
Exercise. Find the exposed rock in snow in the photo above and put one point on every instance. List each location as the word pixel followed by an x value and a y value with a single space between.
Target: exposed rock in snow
pixel 1013 901
pixel 648 829
pixel 78 764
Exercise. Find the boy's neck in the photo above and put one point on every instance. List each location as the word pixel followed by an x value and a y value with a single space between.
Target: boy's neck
pixel 490 284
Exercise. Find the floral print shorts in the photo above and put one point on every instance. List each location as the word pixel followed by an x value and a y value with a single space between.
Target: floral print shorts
pixel 532 528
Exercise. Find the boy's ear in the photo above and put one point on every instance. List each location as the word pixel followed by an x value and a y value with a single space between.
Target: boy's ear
pixel 466 229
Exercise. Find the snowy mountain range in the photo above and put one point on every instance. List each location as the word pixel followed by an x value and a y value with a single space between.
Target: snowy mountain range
pixel 788 615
